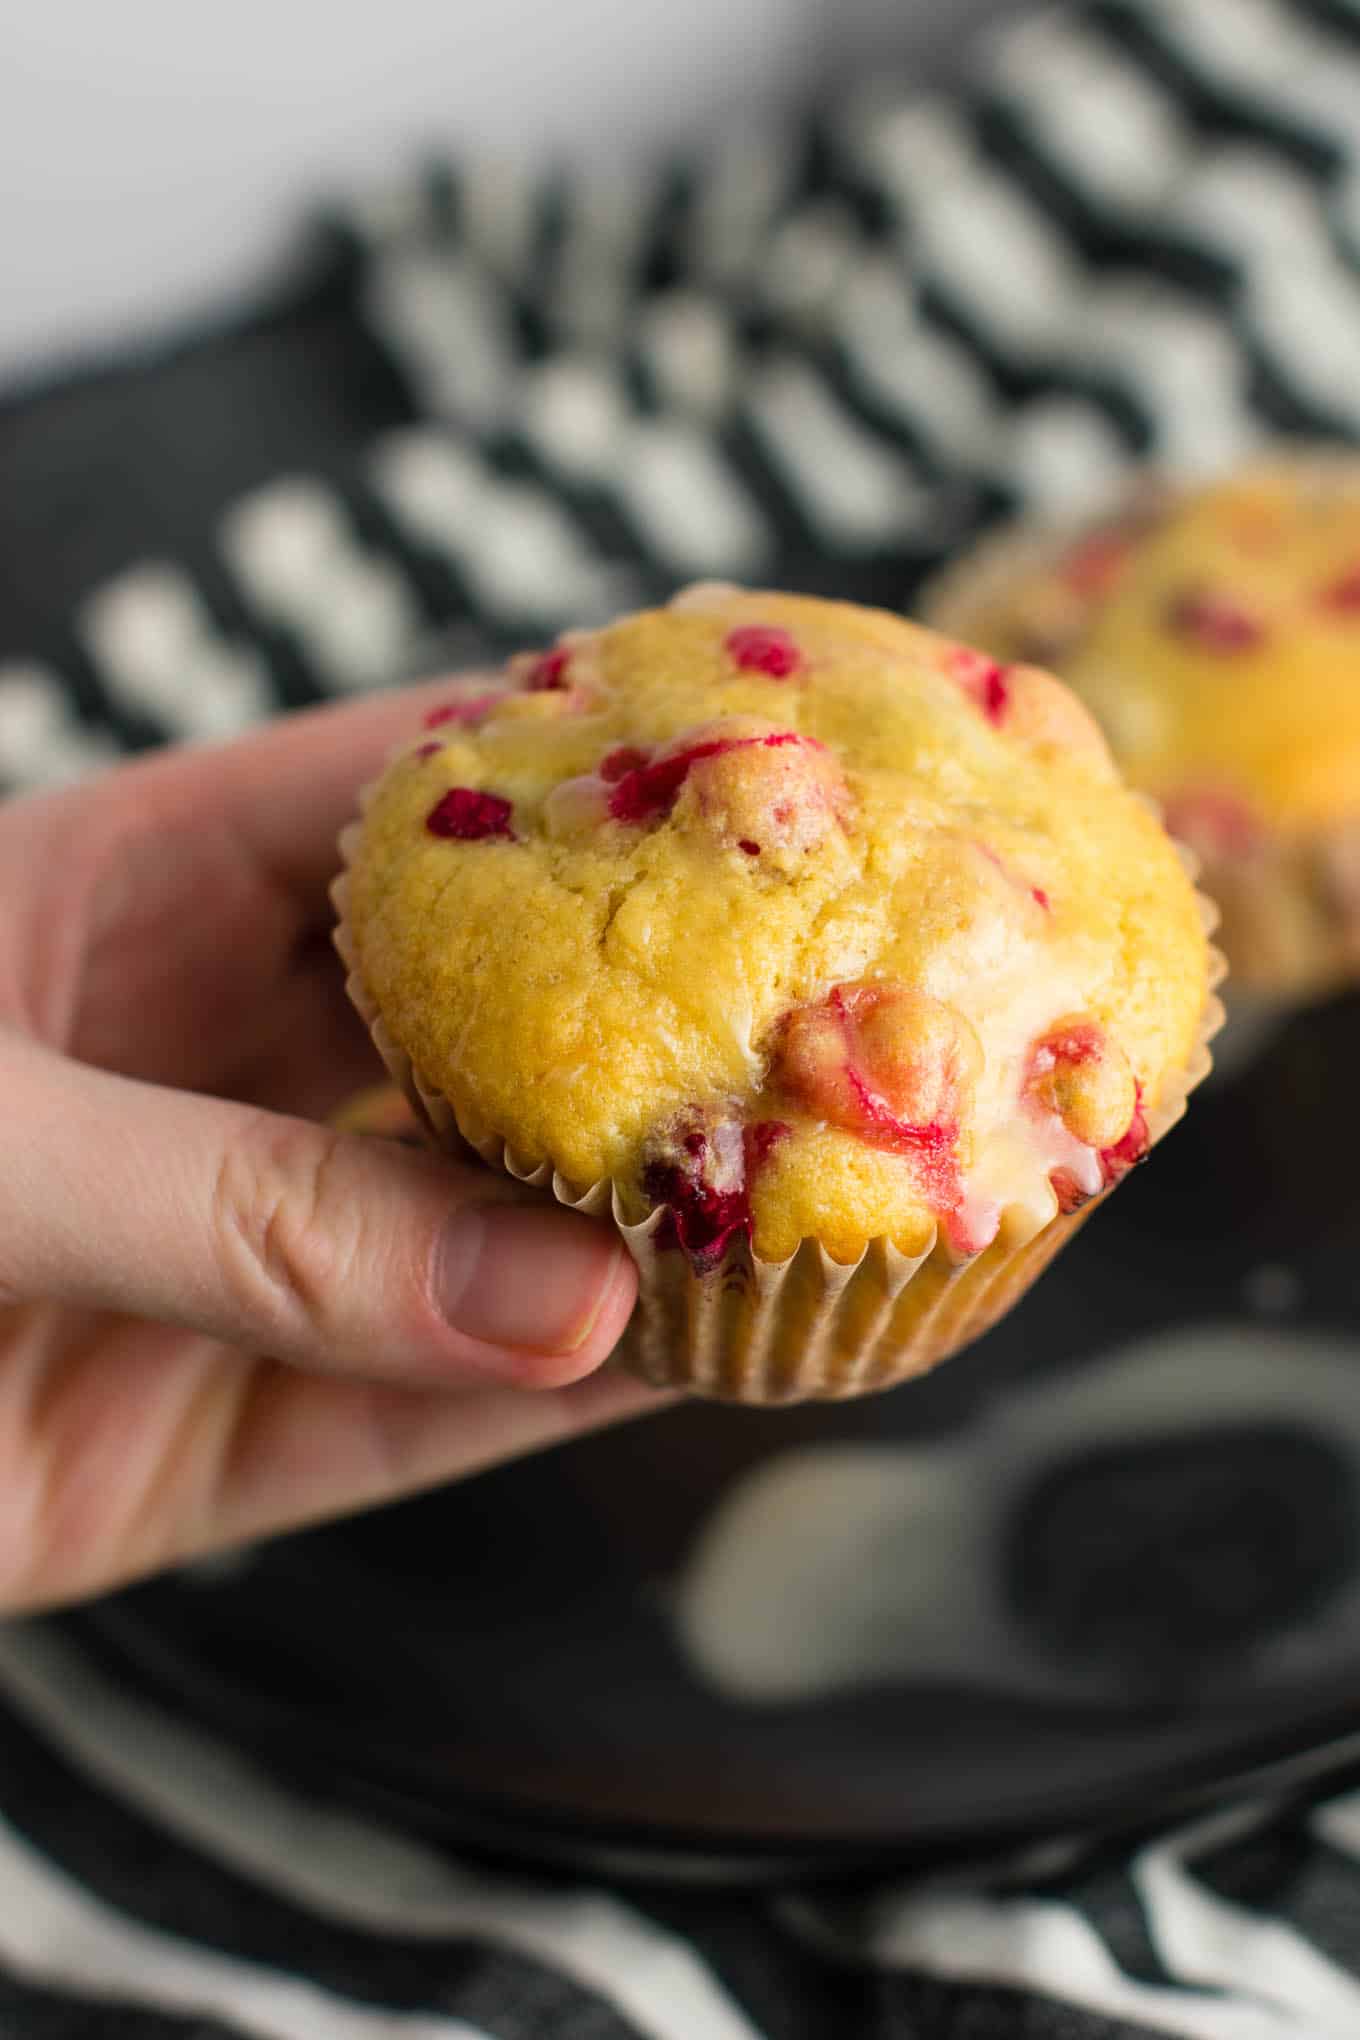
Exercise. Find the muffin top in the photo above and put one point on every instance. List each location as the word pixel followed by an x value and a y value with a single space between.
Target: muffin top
pixel 789 917
pixel 1214 632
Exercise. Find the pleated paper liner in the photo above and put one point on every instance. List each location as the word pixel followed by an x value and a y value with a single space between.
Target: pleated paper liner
pixel 1286 940
pixel 755 1331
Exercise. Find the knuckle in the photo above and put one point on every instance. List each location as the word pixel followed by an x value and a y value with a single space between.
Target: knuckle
pixel 28 1565
pixel 41 1550
pixel 283 1231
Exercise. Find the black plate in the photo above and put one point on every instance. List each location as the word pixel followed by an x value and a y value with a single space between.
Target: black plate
pixel 1103 1564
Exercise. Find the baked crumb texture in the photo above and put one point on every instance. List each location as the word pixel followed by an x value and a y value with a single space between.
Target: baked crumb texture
pixel 790 919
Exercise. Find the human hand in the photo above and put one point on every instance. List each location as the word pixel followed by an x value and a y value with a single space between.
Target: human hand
pixel 219 1318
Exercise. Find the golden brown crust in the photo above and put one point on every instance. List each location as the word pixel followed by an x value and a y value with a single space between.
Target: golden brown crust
pixel 888 1169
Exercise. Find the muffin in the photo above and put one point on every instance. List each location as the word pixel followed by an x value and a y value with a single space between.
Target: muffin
pixel 1214 633
pixel 829 957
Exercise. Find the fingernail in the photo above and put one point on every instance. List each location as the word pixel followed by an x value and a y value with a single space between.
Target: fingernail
pixel 533 1280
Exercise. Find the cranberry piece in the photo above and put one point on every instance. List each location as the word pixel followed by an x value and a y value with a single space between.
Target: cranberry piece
pixel 983 680
pixel 761 1139
pixel 699 1176
pixel 1215 622
pixel 1083 1076
pixel 779 799
pixel 879 1125
pixel 1068 1191
pixel 703 1179
pixel 549 671
pixel 469 816
pixel 1115 1162
pixel 891 1065
pixel 615 764
pixel 1075 1042
pixel 645 791
pixel 697 1219
pixel 763 648
pixel 996 694
pixel 428 751
pixel 1078 1072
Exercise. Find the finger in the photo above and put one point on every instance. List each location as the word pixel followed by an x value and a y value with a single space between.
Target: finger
pixel 126 1447
pixel 302 1450
pixel 311 1051
pixel 325 1249
pixel 173 889
pixel 288 792
pixel 284 793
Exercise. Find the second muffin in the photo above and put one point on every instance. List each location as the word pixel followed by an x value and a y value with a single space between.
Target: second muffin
pixel 798 930
pixel 1213 629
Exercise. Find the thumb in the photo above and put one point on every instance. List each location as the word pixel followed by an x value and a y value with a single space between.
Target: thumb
pixel 318 1247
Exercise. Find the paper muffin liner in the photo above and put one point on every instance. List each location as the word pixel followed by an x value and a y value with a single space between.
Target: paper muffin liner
pixel 1289 912
pixel 748 1330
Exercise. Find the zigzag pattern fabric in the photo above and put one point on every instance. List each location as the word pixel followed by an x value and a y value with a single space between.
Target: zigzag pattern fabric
pixel 157 1885
pixel 820 359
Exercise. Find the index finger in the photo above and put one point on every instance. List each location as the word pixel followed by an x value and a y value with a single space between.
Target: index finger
pixel 284 792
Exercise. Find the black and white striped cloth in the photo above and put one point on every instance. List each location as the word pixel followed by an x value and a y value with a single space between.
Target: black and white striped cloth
pixel 156 1886
pixel 819 358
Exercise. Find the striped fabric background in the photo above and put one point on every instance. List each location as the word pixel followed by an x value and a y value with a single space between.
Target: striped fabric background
pixel 818 358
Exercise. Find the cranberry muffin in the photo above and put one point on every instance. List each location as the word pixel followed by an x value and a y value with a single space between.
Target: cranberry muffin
pixel 1214 633
pixel 828 955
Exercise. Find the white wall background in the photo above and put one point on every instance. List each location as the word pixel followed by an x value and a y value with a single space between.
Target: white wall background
pixel 155 155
